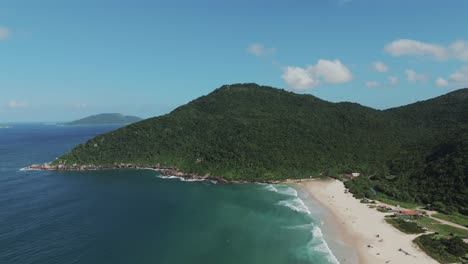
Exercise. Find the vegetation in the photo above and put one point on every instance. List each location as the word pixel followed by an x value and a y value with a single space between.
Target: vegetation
pixel 442 229
pixel 454 218
pixel 105 119
pixel 407 226
pixel 416 153
pixel 444 250
pixel 403 204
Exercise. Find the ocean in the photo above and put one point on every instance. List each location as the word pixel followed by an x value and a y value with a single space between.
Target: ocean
pixel 135 216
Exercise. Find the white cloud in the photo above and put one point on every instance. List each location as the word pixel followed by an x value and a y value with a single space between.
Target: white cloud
pixel 416 48
pixel 460 77
pixel 441 82
pixel 393 80
pixel 415 77
pixel 380 66
pixel 17 104
pixel 331 71
pixel 457 79
pixel 457 50
pixel 372 84
pixel 298 78
pixel 326 71
pixel 4 32
pixel 260 50
pixel 81 105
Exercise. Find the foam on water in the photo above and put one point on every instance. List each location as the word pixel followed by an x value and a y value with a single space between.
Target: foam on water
pixel 286 190
pixel 295 204
pixel 305 226
pixel 271 188
pixel 282 189
pixel 181 178
pixel 318 244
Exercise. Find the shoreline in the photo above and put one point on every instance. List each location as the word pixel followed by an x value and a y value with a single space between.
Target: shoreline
pixel 340 245
pixel 362 228
pixel 356 232
pixel 166 172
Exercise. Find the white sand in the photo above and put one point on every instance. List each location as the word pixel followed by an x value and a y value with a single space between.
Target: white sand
pixel 361 225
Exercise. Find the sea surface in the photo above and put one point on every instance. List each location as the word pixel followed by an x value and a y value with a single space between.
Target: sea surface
pixel 134 216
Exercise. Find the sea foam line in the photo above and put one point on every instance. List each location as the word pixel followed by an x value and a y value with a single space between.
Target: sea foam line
pixel 282 189
pixel 182 179
pixel 295 204
pixel 298 205
pixel 322 246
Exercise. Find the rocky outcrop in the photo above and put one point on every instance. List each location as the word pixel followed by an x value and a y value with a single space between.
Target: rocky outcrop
pixel 166 171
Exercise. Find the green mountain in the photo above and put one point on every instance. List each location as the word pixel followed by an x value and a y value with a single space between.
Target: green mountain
pixel 105 119
pixel 247 131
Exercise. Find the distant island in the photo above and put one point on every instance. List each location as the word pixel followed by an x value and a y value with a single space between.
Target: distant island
pixel 105 119
pixel 1 126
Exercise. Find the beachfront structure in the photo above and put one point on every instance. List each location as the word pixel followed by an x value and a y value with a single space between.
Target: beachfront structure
pixel 408 213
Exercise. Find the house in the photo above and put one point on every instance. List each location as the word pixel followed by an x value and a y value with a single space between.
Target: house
pixel 351 175
pixel 408 213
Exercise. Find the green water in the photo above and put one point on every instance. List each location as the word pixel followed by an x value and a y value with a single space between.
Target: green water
pixel 133 216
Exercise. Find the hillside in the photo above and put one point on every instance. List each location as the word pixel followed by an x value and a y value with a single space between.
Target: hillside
pixel 434 168
pixel 105 119
pixel 247 131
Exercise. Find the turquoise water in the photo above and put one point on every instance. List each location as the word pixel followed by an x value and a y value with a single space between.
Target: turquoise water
pixel 136 216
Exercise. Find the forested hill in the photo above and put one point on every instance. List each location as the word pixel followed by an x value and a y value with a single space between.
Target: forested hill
pixel 247 131
pixel 448 111
pixel 105 119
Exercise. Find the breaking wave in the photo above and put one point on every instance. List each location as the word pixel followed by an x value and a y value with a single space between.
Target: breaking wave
pixel 295 204
pixel 318 244
pixel 282 189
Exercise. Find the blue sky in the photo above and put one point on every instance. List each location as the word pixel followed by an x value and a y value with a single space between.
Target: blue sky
pixel 61 60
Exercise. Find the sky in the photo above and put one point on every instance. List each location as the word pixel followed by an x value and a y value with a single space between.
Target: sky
pixel 63 60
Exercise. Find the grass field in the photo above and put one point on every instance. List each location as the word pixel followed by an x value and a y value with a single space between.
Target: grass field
pixel 455 218
pixel 443 230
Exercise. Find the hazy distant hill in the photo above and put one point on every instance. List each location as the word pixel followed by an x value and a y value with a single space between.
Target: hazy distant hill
pixel 246 131
pixel 105 119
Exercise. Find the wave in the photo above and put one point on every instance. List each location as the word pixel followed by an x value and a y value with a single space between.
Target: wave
pixel 321 246
pixel 282 189
pixel 317 242
pixel 270 188
pixel 305 226
pixel 295 204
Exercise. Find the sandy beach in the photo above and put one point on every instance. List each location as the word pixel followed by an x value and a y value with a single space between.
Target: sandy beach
pixel 364 228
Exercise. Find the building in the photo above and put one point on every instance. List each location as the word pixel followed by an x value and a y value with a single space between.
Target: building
pixel 408 213
pixel 351 175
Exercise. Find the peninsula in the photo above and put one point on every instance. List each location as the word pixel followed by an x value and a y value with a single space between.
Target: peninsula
pixel 253 132
pixel 241 133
